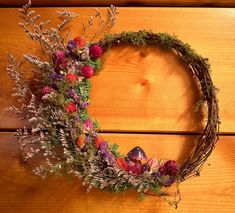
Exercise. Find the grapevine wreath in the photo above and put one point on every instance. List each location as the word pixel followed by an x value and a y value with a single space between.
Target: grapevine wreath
pixel 55 104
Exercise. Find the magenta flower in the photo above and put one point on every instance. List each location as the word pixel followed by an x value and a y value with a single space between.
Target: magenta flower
pixel 47 90
pixel 169 168
pixel 88 125
pixel 96 51
pixel 60 59
pixel 59 55
pixel 87 71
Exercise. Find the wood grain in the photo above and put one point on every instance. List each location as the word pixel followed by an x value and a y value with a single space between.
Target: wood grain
pixel 201 3
pixel 151 90
pixel 214 191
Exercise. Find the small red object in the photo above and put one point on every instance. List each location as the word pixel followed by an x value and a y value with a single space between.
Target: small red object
pixel 71 107
pixel 122 163
pixel 71 78
pixel 80 42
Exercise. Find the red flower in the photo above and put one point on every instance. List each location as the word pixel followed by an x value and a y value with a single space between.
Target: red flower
pixel 169 168
pixel 71 78
pixel 96 51
pixel 80 42
pixel 87 71
pixel 122 163
pixel 99 140
pixel 71 107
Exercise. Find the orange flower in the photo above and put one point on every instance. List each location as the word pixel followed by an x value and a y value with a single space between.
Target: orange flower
pixel 99 140
pixel 80 141
pixel 122 163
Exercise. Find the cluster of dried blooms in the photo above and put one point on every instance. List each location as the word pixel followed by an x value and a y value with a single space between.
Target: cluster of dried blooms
pixel 61 129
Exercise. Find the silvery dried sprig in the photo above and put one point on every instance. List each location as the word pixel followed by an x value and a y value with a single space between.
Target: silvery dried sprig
pixel 49 38
pixel 104 24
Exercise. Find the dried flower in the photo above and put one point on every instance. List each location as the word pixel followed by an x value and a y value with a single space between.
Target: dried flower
pixel 84 104
pixel 71 78
pixel 80 141
pixel 122 163
pixel 80 41
pixel 87 71
pixel 169 168
pixel 96 51
pixel 88 125
pixel 56 76
pixel 59 55
pixel 47 90
pixel 153 163
pixel 71 48
pixel 60 59
pixel 98 141
pixel 106 153
pixel 71 107
pixel 134 167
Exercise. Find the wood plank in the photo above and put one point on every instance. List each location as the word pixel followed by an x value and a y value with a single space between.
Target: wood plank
pixel 214 191
pixel 187 3
pixel 150 88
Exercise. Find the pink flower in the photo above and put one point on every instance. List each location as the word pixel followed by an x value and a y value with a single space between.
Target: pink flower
pixel 87 71
pixel 88 125
pixel 59 55
pixel 60 58
pixel 71 78
pixel 47 90
pixel 71 107
pixel 80 42
pixel 96 51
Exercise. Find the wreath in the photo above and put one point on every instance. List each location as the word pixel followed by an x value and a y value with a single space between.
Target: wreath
pixel 55 105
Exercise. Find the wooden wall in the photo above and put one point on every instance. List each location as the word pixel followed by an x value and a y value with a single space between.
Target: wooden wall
pixel 141 3
pixel 142 96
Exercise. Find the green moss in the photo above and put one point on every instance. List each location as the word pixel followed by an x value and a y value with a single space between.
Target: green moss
pixel 166 40
pixel 136 38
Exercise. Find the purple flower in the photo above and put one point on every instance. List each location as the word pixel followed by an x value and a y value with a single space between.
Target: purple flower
pixel 71 48
pixel 77 99
pixel 77 118
pixel 56 76
pixel 72 92
pixel 83 105
pixel 170 180
pixel 106 153
pixel 104 145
